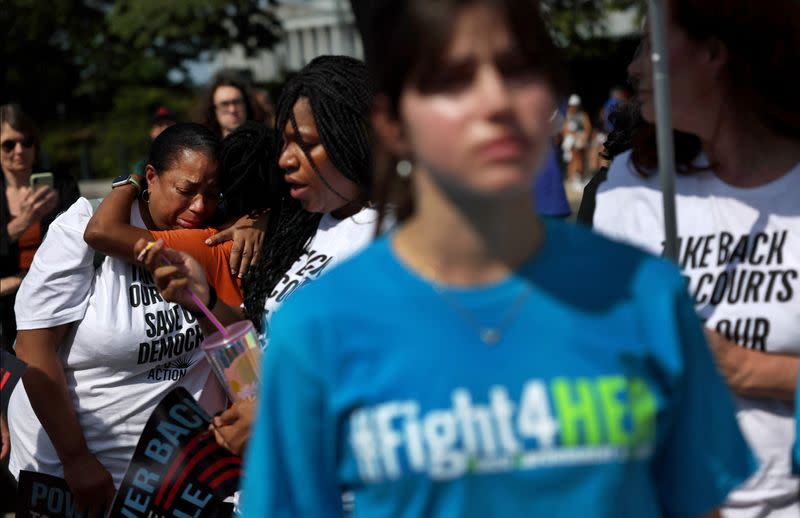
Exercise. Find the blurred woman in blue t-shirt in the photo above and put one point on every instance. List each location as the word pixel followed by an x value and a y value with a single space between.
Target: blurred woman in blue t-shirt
pixel 473 362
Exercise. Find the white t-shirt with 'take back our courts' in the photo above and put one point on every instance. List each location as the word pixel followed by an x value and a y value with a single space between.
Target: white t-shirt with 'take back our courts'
pixel 739 250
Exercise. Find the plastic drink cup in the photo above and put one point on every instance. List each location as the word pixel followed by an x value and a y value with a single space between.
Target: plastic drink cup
pixel 235 359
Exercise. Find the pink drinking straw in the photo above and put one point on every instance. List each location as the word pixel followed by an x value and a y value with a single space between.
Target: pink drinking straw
pixel 207 312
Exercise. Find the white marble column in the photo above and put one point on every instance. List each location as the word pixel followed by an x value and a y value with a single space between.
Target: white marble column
pixel 336 39
pixel 358 49
pixel 321 40
pixel 294 50
pixel 308 45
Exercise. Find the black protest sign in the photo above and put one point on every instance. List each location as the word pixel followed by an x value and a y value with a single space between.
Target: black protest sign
pixel 11 370
pixel 44 496
pixel 178 470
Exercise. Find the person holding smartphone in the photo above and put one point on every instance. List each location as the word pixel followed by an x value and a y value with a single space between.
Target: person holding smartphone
pixel 30 202
pixel 26 211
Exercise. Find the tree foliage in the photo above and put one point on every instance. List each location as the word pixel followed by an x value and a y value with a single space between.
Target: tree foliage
pixel 576 23
pixel 96 67
pixel 189 30
pixel 65 51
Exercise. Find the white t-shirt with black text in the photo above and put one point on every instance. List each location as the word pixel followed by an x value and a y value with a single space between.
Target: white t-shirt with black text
pixel 334 241
pixel 127 349
pixel 740 251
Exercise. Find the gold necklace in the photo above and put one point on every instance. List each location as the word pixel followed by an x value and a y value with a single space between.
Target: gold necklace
pixel 489 335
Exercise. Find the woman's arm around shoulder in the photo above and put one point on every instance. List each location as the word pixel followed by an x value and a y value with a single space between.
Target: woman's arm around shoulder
pixel 247 233
pixel 109 231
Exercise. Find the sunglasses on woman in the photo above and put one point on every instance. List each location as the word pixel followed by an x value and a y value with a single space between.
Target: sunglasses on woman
pixel 10 144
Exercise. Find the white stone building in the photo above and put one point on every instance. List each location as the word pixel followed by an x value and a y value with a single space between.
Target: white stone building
pixel 316 27
pixel 311 28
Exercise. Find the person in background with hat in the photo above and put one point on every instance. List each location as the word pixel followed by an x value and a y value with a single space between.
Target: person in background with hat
pixel 162 119
pixel 575 137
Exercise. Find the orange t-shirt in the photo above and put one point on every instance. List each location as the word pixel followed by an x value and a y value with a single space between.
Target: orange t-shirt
pixel 28 242
pixel 213 258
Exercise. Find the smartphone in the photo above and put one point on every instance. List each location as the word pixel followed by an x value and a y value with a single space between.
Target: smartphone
pixel 40 179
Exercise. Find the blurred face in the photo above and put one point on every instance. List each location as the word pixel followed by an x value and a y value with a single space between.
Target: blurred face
pixel 485 124
pixel 305 184
pixel 16 150
pixel 694 71
pixel 186 194
pixel 230 108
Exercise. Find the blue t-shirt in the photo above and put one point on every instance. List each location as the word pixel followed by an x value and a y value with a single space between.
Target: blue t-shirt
pixel 608 108
pixel 601 399
pixel 549 197
pixel 796 449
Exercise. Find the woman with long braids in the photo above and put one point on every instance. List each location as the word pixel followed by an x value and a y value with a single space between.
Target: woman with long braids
pixel 472 363
pixel 323 216
pixel 326 163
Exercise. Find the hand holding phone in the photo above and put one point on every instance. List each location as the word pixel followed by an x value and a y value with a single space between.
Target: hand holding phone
pixel 40 179
pixel 40 200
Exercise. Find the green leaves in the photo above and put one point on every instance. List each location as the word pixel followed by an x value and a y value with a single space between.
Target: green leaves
pixel 576 22
pixel 94 47
pixel 98 66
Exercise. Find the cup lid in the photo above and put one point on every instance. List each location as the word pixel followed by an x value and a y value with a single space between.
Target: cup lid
pixel 235 332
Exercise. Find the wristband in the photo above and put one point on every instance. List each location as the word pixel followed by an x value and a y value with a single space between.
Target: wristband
pixel 132 179
pixel 136 183
pixel 212 302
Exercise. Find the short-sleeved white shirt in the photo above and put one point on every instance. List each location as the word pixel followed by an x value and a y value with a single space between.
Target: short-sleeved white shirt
pixel 126 350
pixel 334 241
pixel 740 252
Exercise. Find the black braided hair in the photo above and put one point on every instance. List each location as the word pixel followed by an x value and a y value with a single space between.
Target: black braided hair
pixel 247 160
pixel 340 96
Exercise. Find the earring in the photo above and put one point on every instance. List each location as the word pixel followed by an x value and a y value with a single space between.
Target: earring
pixel 404 168
pixel 146 196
